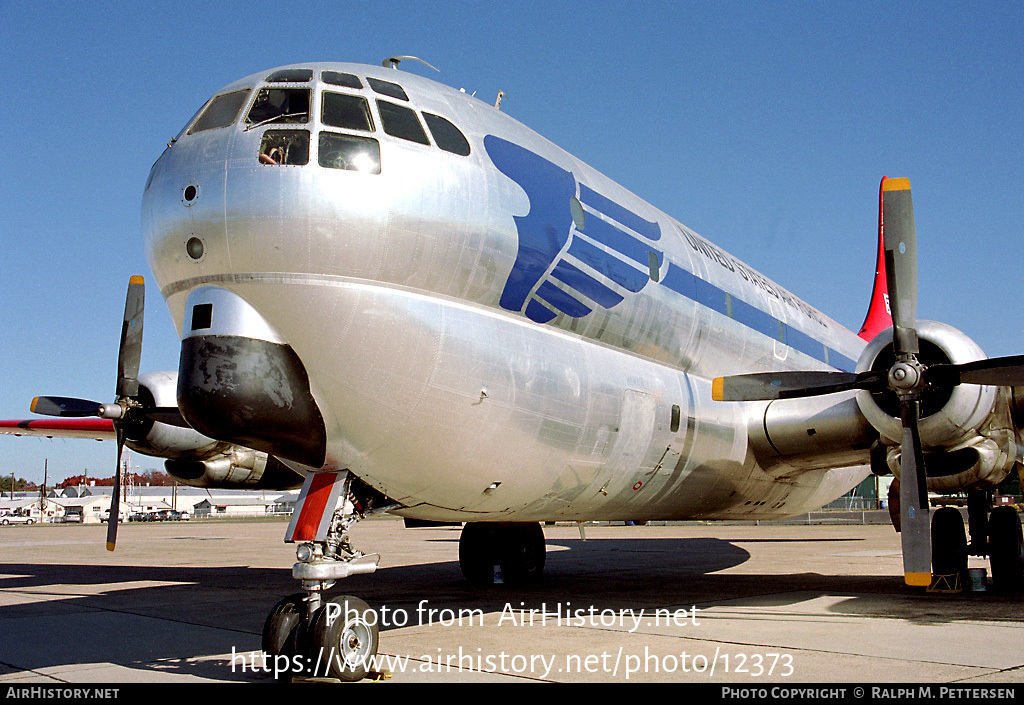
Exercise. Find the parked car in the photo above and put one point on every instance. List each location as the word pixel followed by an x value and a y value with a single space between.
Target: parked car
pixel 74 518
pixel 16 519
pixel 167 515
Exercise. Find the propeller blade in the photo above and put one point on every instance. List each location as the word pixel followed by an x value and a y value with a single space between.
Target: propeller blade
pixel 65 406
pixel 766 386
pixel 997 371
pixel 900 238
pixel 115 499
pixel 915 524
pixel 129 359
pixel 129 354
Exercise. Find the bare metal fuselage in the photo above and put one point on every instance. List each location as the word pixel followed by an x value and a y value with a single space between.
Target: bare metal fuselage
pixel 393 290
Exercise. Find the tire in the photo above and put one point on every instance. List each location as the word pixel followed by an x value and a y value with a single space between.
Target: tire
pixel 523 553
pixel 1006 549
pixel 476 553
pixel 949 543
pixel 517 549
pixel 344 639
pixel 283 634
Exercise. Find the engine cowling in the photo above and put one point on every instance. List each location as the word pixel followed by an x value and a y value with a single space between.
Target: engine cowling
pixel 966 431
pixel 161 440
pixel 240 468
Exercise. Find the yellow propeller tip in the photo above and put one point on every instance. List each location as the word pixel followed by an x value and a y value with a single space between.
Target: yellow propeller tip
pixel 110 546
pixel 718 388
pixel 918 579
pixel 137 279
pixel 901 184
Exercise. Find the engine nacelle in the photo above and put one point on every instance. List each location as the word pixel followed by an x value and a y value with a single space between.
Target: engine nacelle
pixel 947 417
pixel 161 440
pixel 240 468
pixel 966 431
pixel 198 460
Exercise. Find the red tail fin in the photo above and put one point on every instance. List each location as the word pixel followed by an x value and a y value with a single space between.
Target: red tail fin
pixel 879 316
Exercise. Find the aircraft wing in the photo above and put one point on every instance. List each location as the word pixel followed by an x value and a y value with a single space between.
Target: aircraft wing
pixel 98 429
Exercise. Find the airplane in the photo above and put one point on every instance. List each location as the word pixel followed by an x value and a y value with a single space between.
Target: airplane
pixel 397 296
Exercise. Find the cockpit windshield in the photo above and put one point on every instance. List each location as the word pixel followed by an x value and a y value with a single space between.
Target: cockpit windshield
pixel 350 112
pixel 221 112
pixel 291 76
pixel 279 105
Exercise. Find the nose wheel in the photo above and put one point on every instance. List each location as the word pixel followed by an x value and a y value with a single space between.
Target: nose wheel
pixel 281 631
pixel 345 638
pixel 338 639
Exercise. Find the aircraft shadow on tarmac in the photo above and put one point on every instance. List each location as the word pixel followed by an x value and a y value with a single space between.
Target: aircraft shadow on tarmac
pixel 182 615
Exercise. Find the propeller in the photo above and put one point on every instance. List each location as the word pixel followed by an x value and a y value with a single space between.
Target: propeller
pixel 127 409
pixel 907 378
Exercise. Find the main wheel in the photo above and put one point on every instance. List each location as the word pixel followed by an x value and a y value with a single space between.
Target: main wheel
pixel 523 553
pixel 1006 549
pixel 284 630
pixel 476 552
pixel 516 549
pixel 344 638
pixel 949 543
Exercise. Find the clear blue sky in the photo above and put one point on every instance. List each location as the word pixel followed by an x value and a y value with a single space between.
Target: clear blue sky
pixel 764 126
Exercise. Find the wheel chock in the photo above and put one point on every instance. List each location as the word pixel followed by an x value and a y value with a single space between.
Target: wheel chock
pixel 946 584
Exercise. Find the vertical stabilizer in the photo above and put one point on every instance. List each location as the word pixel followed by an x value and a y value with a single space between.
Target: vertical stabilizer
pixel 879 314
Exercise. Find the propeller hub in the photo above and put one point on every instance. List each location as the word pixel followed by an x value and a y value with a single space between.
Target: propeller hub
pixel 906 376
pixel 113 411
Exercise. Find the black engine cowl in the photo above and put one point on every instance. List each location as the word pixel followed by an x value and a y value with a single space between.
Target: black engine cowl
pixel 239 382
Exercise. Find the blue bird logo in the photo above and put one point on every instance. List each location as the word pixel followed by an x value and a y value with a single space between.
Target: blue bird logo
pixel 577 248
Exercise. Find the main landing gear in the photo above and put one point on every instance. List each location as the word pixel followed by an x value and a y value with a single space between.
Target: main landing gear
pixel 511 553
pixel 306 634
pixel 996 534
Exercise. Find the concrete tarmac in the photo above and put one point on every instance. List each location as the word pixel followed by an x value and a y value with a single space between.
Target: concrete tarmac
pixel 698 603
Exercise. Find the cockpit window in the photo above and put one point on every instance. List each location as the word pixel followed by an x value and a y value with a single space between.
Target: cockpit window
pixel 400 121
pixel 350 112
pixel 280 105
pixel 349 152
pixel 285 147
pixel 291 76
pixel 221 112
pixel 345 80
pixel 392 90
pixel 446 135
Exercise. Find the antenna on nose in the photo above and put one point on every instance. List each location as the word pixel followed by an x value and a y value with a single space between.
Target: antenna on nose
pixel 394 61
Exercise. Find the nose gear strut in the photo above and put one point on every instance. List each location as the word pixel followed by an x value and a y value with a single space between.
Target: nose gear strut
pixel 335 637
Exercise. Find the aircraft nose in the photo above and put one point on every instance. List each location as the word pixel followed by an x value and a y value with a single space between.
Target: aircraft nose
pixel 240 382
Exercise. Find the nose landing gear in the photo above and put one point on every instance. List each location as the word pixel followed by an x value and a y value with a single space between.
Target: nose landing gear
pixel 306 635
